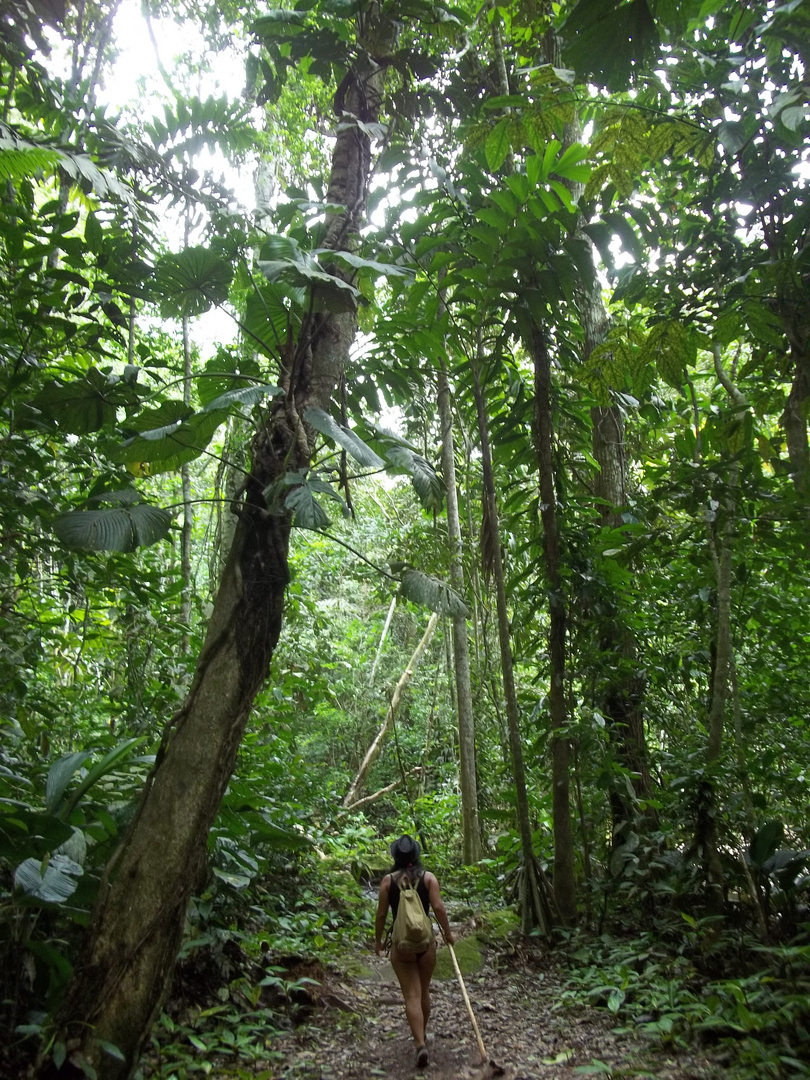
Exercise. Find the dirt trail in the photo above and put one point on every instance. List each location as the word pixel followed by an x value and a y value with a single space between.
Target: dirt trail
pixel 360 1032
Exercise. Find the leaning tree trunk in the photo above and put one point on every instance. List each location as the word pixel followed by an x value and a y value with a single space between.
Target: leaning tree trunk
pixel 373 751
pixel 471 829
pixel 564 881
pixel 535 905
pixel 125 965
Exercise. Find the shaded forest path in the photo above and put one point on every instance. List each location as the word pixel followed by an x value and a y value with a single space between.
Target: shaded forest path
pixel 360 1031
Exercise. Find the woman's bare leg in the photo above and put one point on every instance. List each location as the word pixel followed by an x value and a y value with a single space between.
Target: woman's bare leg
pixel 407 971
pixel 426 965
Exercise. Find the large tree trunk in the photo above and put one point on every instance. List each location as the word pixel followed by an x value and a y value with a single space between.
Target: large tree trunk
pixel 125 965
pixel 564 880
pixel 471 829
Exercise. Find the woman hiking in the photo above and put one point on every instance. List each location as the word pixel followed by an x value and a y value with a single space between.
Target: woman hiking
pixel 414 969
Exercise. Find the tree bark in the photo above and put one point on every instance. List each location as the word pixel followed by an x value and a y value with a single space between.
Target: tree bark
pixel 373 751
pixel 471 829
pixel 126 963
pixel 797 411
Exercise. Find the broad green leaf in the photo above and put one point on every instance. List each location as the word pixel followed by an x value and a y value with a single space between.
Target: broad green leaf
pixel 279 23
pixel 280 248
pixel 164 418
pixel 75 846
pixel 344 437
pixel 564 195
pixel 570 159
pixel 518 184
pixel 229 369
pixel 281 258
pixel 496 218
pixel 307 511
pixel 87 404
pixel 110 760
pixel 246 395
pixel 549 157
pixel 53 880
pixel 497 145
pixel 59 776
pixel 271 312
pixel 168 448
pixel 115 529
pixel 433 594
pixel 426 481
pixel 277 837
pixel 237 881
pixel 111 1049
pixel 765 842
pixel 191 282
pixel 387 269
pixel 25 831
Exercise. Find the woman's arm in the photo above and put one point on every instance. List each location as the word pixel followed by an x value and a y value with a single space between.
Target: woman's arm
pixel 382 912
pixel 439 909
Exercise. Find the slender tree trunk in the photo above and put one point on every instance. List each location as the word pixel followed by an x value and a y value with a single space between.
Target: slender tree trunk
pixel 564 881
pixel 622 699
pixel 621 702
pixel 373 751
pixel 126 962
pixel 471 829
pixel 722 554
pixel 188 511
pixel 794 419
pixel 534 906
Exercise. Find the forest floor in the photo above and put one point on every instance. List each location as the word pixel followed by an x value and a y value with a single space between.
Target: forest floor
pixel 359 1031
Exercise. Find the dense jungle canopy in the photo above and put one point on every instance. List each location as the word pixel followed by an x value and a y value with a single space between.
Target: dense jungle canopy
pixel 403 427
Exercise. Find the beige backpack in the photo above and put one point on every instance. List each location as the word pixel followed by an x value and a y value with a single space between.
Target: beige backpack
pixel 413 930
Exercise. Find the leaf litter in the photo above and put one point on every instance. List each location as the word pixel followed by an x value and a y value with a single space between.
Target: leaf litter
pixel 358 1031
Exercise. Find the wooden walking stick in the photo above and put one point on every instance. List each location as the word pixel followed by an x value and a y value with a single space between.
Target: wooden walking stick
pixel 497 1070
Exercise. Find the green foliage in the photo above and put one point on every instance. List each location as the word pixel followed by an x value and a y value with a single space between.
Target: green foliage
pixel 57 828
pixel 134 525
pixel 665 997
pixel 191 282
pixel 479 241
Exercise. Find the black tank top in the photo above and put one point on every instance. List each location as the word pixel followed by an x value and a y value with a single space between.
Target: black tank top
pixel 421 892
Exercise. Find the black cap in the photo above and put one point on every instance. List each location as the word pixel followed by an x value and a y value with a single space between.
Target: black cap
pixel 405 850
